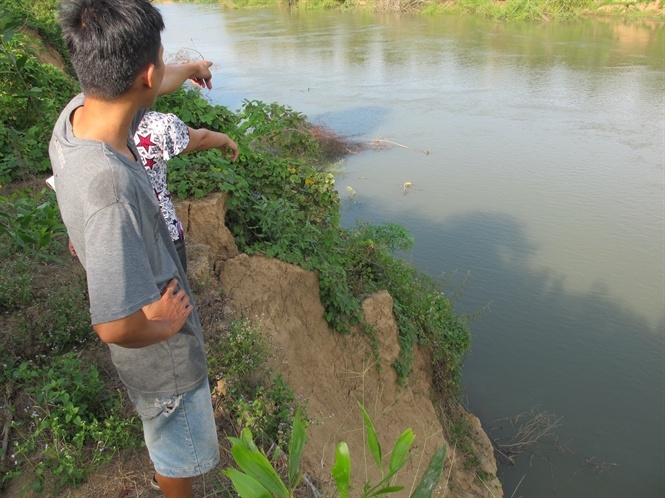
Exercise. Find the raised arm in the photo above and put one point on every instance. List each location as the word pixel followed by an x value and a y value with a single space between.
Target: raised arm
pixel 176 74
pixel 203 139
pixel 151 324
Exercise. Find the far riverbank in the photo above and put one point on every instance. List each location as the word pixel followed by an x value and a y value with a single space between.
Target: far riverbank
pixel 500 10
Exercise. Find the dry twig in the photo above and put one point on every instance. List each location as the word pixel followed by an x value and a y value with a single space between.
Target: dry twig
pixel 528 429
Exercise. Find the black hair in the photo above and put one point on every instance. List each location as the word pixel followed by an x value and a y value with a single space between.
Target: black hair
pixel 110 42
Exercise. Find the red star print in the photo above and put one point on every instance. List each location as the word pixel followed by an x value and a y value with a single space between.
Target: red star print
pixel 145 142
pixel 150 163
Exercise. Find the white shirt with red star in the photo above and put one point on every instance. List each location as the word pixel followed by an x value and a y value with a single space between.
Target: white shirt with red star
pixel 158 138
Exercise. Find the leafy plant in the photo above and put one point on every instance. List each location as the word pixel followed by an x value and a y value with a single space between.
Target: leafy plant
pixel 256 397
pixel 30 222
pixel 31 94
pixel 257 477
pixel 70 424
pixel 15 282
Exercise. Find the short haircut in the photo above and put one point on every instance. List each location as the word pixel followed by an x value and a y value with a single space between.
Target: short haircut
pixel 110 42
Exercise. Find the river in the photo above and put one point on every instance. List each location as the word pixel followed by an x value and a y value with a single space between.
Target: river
pixel 530 170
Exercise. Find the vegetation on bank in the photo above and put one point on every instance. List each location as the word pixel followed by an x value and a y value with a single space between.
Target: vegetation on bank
pixel 64 412
pixel 524 10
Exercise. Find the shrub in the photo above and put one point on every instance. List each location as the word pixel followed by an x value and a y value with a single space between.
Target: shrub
pixel 30 222
pixel 31 97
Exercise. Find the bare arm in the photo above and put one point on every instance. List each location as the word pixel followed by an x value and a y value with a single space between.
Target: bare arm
pixel 203 139
pixel 176 74
pixel 151 324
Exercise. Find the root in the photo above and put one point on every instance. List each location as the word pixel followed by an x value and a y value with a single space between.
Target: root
pixel 335 146
pixel 382 143
pixel 529 429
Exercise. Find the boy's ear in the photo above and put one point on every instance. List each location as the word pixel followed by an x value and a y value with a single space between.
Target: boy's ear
pixel 148 75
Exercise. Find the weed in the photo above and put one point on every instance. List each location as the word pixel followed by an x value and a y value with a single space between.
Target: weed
pixel 69 425
pixel 15 282
pixel 256 397
pixel 30 221
pixel 260 478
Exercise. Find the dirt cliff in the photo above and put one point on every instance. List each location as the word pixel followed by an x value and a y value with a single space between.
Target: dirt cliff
pixel 333 372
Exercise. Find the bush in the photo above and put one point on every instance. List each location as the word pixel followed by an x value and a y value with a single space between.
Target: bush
pixel 30 222
pixel 31 97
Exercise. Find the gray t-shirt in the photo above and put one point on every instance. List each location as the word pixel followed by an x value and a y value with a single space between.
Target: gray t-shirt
pixel 116 226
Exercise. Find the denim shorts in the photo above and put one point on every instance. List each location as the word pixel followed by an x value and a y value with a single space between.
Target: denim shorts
pixel 180 432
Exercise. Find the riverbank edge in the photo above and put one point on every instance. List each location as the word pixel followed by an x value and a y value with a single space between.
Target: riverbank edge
pixel 499 10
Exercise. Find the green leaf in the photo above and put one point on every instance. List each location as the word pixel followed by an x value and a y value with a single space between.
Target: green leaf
pixel 341 471
pixel 248 440
pixel 372 439
pixel 432 475
pixel 296 446
pixel 388 489
pixel 256 465
pixel 246 486
pixel 400 451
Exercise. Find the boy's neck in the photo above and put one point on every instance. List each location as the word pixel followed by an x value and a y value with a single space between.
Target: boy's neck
pixel 107 122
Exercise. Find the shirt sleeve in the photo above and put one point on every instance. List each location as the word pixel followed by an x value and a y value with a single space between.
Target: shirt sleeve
pixel 119 274
pixel 176 136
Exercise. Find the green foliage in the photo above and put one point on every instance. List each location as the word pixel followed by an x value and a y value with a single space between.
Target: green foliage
pixel 40 16
pixel 341 471
pixel 259 478
pixel 238 354
pixel 15 282
pixel 267 412
pixel 398 458
pixel 432 475
pixel 69 425
pixel 29 222
pixel 522 10
pixel 31 97
pixel 424 315
pixel 61 322
pixel 256 398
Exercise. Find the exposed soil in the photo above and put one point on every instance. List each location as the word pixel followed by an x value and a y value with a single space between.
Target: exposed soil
pixel 331 372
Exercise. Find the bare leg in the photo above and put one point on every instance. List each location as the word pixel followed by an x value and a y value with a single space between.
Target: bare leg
pixel 176 488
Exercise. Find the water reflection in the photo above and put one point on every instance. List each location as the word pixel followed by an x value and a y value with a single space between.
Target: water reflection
pixel 583 356
pixel 584 44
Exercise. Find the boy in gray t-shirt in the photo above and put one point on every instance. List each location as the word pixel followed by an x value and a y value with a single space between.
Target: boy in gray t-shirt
pixel 140 301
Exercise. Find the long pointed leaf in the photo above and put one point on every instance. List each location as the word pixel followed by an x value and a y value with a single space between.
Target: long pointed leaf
pixel 246 486
pixel 248 440
pixel 388 489
pixel 341 471
pixel 255 464
pixel 432 475
pixel 296 446
pixel 372 439
pixel 400 451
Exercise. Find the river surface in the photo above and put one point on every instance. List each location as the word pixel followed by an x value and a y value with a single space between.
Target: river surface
pixel 535 157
